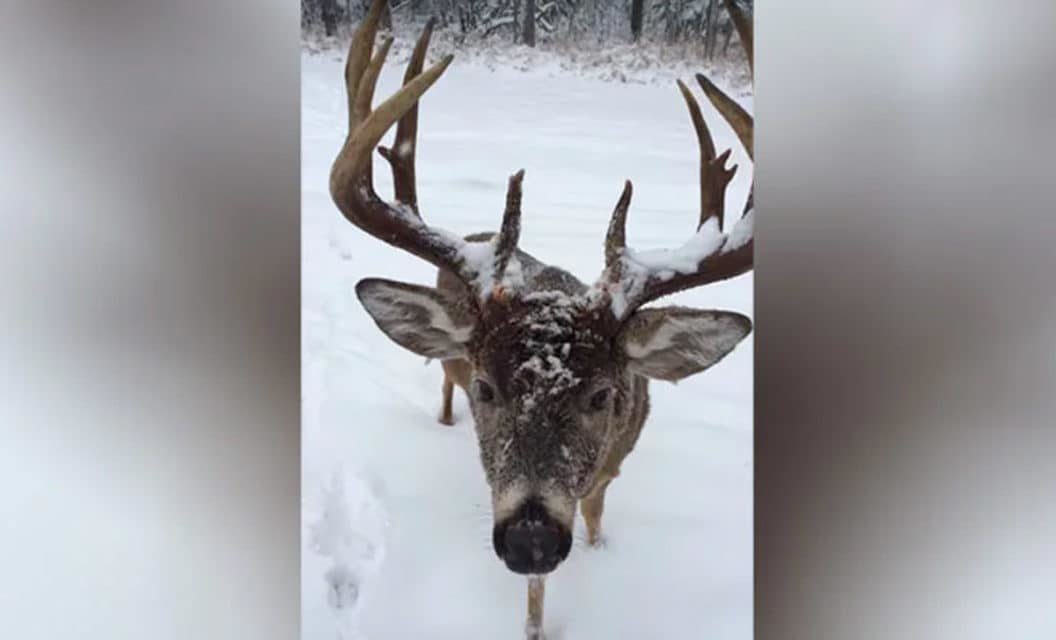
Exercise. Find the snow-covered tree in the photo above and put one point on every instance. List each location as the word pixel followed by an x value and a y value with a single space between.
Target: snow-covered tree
pixel 705 24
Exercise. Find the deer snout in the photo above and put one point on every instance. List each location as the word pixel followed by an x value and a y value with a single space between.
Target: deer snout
pixel 531 541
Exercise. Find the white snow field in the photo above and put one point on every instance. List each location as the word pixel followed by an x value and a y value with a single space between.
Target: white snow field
pixel 396 520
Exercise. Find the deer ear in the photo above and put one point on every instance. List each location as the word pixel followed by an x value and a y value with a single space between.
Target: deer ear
pixel 671 343
pixel 419 319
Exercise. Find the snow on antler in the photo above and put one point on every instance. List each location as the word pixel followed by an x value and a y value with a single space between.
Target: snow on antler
pixel 640 269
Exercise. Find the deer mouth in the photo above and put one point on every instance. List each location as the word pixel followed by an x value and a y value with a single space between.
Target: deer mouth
pixel 531 541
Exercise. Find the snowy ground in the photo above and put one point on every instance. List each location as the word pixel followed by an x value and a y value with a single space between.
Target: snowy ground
pixel 396 520
pixel 643 63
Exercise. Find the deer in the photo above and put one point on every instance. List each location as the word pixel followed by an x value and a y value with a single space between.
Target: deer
pixel 556 372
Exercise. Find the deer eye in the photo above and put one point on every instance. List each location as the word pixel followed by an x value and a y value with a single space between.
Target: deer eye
pixel 484 392
pixel 600 399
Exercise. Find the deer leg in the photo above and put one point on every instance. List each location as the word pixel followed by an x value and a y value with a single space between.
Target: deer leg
pixel 592 507
pixel 445 408
pixel 533 629
pixel 456 372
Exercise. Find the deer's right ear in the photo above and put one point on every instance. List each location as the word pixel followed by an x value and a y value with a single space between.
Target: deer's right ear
pixel 417 318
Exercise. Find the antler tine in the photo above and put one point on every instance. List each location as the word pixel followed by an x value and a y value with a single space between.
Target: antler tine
pixel 371 129
pixel 714 177
pixel 744 30
pixel 510 231
pixel 616 237
pixel 365 96
pixel 369 81
pixel 359 57
pixel 401 155
pixel 738 118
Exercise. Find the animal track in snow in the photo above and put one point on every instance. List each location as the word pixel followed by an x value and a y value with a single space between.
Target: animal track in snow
pixel 349 530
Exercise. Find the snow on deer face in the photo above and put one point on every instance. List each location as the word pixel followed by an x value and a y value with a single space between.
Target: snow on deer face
pixel 546 393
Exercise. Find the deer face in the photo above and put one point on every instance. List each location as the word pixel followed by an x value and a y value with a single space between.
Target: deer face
pixel 546 395
pixel 550 392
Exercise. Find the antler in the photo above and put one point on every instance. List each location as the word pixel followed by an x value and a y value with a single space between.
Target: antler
pixel 402 161
pixel 633 278
pixel 351 177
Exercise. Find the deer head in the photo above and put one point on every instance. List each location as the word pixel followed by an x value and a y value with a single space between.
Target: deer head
pixel 555 368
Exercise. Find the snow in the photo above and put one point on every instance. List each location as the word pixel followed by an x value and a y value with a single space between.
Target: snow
pixel 667 262
pixel 396 514
pixel 742 232
pixel 479 258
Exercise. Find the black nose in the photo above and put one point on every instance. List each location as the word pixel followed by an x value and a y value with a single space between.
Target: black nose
pixel 531 541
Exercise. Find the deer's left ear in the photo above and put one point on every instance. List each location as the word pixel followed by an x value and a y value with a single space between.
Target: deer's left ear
pixel 671 343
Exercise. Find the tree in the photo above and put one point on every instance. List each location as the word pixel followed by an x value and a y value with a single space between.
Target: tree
pixel 711 22
pixel 386 16
pixel 637 11
pixel 329 16
pixel 528 37
pixel 517 21
pixel 704 25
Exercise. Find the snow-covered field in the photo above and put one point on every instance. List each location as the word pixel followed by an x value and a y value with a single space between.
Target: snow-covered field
pixel 396 522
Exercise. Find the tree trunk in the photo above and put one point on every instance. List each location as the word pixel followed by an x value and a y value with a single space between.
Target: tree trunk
pixel 713 30
pixel 674 14
pixel 708 15
pixel 516 20
pixel 529 23
pixel 329 15
pixel 386 16
pixel 637 9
